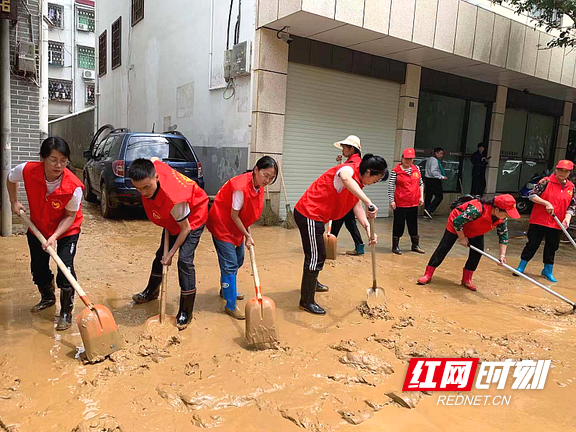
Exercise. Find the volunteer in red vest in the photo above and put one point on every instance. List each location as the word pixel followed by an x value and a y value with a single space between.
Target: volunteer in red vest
pixel 406 193
pixel 177 204
pixel 330 197
pixel 238 204
pixel 467 223
pixel 54 195
pixel 352 151
pixel 552 195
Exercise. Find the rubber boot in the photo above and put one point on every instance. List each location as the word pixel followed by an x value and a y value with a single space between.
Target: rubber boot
pixel 416 244
pixel 66 305
pixel 547 272
pixel 48 298
pixel 521 267
pixel 320 287
pixel 358 250
pixel 230 294
pixel 186 310
pixel 151 292
pixel 427 275
pixel 395 245
pixel 467 279
pixel 307 291
pixel 239 296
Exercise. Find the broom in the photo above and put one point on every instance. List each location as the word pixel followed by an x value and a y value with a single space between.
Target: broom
pixel 289 222
pixel 268 218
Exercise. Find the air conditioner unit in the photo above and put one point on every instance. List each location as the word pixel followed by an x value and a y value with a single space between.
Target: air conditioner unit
pixel 27 57
pixel 89 74
pixel 83 27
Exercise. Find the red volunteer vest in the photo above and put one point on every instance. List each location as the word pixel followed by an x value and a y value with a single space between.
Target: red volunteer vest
pixel 355 158
pixel 557 195
pixel 175 188
pixel 220 222
pixel 477 227
pixel 407 193
pixel 47 211
pixel 321 202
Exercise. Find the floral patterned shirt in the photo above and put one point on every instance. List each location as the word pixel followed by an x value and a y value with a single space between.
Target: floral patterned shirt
pixel 471 214
pixel 541 187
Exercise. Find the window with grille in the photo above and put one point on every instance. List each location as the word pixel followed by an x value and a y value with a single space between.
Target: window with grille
pixel 59 90
pixel 56 14
pixel 137 11
pixel 90 94
pixel 86 20
pixel 117 43
pixel 85 57
pixel 102 41
pixel 55 53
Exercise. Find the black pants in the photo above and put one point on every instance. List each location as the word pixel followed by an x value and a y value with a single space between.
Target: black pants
pixel 446 244
pixel 186 269
pixel 311 232
pixel 351 226
pixel 478 181
pixel 40 260
pixel 536 233
pixel 433 189
pixel 405 216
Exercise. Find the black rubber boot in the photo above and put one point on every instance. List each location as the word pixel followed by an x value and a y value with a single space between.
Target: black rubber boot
pixel 307 291
pixel 48 298
pixel 66 305
pixel 320 287
pixel 151 292
pixel 395 245
pixel 416 245
pixel 186 310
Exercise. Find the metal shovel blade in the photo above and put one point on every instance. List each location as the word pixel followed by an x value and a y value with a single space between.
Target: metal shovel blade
pixel 99 332
pixel 331 243
pixel 376 297
pixel 261 329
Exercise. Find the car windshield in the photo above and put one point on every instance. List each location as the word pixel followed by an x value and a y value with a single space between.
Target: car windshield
pixel 167 149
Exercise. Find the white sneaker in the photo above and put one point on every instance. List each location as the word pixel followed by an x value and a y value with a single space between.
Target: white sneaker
pixel 427 214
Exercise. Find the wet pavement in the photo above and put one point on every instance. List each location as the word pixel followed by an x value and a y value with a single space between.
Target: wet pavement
pixel 330 373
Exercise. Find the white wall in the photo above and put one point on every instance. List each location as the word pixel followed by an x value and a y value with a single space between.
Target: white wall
pixel 165 78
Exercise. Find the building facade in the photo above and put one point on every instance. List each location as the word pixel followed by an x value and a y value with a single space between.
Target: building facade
pixel 71 56
pixel 397 73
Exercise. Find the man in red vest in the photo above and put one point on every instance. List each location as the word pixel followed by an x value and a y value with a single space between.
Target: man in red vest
pixel 552 195
pixel 179 205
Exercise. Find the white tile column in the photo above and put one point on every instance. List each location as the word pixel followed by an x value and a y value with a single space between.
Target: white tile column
pixel 495 140
pixel 407 111
pixel 563 131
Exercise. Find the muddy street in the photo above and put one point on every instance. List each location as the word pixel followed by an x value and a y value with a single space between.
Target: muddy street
pixel 330 373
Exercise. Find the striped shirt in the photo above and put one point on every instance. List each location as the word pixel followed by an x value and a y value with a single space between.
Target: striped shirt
pixel 392 182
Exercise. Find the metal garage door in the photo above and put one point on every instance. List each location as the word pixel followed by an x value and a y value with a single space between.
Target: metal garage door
pixel 324 106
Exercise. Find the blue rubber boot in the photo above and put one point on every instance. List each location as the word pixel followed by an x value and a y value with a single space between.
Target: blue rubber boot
pixel 229 290
pixel 547 272
pixel 521 267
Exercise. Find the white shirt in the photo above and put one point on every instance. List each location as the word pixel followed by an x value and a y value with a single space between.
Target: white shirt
pixel 238 199
pixel 180 211
pixel 338 184
pixel 17 175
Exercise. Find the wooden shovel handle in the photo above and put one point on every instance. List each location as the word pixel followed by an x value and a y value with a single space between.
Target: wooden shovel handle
pixel 60 263
pixel 329 229
pixel 164 279
pixel 283 185
pixel 255 273
pixel 373 253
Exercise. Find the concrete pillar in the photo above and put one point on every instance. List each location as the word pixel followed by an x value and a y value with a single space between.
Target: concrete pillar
pixel 495 139
pixel 269 80
pixel 407 111
pixel 563 131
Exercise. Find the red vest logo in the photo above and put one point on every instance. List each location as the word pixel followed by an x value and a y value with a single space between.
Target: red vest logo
pixel 155 215
pixel 181 178
pixel 56 205
pixel 570 192
pixel 415 174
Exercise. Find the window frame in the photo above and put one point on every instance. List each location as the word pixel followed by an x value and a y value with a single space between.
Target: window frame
pixel 61 45
pixel 61 8
pixel 89 10
pixel 133 18
pixel 116 40
pixel 102 53
pixel 68 82
pixel 78 47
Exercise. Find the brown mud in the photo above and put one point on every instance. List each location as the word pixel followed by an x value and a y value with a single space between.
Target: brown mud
pixel 340 372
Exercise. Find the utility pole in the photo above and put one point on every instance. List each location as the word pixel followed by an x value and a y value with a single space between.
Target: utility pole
pixel 5 124
pixel 43 48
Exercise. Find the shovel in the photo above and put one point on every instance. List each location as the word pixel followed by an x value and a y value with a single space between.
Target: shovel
pixel 96 323
pixel 517 273
pixel 376 294
pixel 564 229
pixel 261 330
pixel 162 318
pixel 330 242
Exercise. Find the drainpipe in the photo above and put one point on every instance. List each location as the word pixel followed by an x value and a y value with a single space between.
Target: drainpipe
pixel 5 125
pixel 43 48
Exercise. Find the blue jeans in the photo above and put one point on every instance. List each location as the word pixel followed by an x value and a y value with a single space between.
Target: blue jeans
pixel 230 257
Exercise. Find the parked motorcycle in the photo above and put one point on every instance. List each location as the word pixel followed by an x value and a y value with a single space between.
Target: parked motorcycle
pixel 523 203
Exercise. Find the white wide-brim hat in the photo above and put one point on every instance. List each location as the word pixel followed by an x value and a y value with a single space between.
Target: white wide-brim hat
pixel 352 140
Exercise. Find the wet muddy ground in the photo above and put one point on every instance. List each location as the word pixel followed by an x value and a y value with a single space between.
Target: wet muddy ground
pixel 330 373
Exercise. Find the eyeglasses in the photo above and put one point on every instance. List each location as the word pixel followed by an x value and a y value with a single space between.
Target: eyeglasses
pixel 56 162
pixel 267 176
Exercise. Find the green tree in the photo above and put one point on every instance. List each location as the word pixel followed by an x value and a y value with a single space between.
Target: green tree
pixel 548 14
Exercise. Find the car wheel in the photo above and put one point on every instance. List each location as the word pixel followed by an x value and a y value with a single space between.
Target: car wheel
pixel 88 194
pixel 523 206
pixel 105 209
